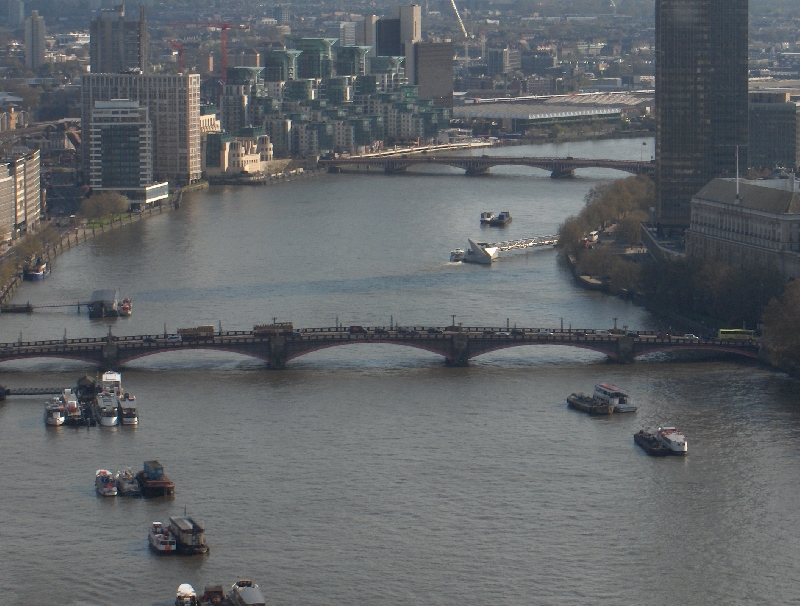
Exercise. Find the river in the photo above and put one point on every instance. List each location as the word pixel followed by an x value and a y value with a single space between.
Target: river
pixel 374 474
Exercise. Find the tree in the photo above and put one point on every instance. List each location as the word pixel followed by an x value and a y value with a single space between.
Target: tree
pixel 103 205
pixel 781 331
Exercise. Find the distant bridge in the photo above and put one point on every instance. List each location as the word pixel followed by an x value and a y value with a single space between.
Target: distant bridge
pixel 456 346
pixel 560 168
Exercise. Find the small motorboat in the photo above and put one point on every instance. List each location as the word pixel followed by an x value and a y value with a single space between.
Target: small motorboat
pixel 161 540
pixel 486 218
pixel 104 483
pixel 127 484
pixel 186 596
pixel 54 412
pixel 125 307
pixel 457 256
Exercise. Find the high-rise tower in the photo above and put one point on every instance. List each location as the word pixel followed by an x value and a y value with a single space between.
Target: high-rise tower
pixel 118 45
pixel 34 40
pixel 701 100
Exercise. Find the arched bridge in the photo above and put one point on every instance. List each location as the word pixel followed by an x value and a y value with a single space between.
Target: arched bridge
pixel 457 345
pixel 559 168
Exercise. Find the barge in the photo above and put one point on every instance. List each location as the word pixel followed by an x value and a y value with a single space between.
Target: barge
pixel 189 536
pixel 584 403
pixel 153 481
pixel 650 444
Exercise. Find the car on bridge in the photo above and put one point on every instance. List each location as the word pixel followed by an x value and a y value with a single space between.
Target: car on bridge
pixel 435 331
pixel 354 330
pixel 691 336
pixel 545 333
pixel 503 333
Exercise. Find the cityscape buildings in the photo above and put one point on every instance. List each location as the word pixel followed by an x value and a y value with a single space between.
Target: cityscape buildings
pixel 35 43
pixel 117 44
pixel 16 13
pixel 20 194
pixel 774 139
pixel 121 152
pixel 701 100
pixel 173 103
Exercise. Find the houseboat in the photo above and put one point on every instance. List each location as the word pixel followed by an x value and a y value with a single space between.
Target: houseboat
pixel 189 535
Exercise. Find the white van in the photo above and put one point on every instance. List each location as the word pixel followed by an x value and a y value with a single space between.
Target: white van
pixel 601 333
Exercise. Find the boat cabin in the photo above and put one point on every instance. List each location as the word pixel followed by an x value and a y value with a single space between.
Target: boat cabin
pixel 188 531
pixel 610 394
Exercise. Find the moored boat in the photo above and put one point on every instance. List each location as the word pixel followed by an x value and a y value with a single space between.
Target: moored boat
pixel 584 403
pixel 109 410
pixel 189 535
pixel 54 412
pixel 457 256
pixel 650 444
pixel 127 484
pixel 36 270
pixel 186 596
pixel 614 396
pixel 125 307
pixel 246 593
pixel 673 439
pixel 104 483
pixel 160 539
pixel 153 481
pixel 130 415
pixel 486 218
pixel 501 220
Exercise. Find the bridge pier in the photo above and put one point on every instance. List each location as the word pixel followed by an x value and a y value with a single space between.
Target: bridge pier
pixel 277 353
pixel 459 351
pixel 473 171
pixel 562 173
pixel 390 168
pixel 110 354
pixel 334 169
pixel 625 352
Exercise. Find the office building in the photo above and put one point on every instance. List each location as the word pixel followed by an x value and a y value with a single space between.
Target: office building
pixel 774 129
pixel 117 45
pixel 410 18
pixel 316 58
pixel 173 103
pixel 502 61
pixel 750 225
pixel 35 43
pixel 343 31
pixel 239 100
pixel 433 71
pixel 280 65
pixel 366 34
pixel 387 38
pixel 121 152
pixel 351 60
pixel 701 101
pixel 225 155
pixel 281 14
pixel 16 13
pixel 26 193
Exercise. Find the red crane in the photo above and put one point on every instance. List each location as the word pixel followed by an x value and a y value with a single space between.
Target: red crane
pixel 180 48
pixel 223 27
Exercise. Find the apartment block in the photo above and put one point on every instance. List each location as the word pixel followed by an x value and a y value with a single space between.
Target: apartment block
pixel 117 44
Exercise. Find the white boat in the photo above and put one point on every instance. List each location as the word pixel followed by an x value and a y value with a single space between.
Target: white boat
pixel 486 218
pixel 614 396
pixel 457 256
pixel 246 593
pixel 130 416
pixel 109 409
pixel 104 483
pixel 160 539
pixel 186 595
pixel 54 412
pixel 673 439
pixel 480 253
pixel 127 484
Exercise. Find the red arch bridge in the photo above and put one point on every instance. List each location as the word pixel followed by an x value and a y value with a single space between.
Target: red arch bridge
pixel 456 345
pixel 559 168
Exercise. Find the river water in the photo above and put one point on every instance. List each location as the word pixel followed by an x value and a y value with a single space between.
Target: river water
pixel 374 474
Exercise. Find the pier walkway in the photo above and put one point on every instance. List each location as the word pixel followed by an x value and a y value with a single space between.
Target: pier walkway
pixel 521 243
pixel 559 168
pixel 457 345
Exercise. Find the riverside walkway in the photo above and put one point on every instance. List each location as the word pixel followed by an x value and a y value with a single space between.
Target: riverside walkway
pixel 457 345
pixel 560 168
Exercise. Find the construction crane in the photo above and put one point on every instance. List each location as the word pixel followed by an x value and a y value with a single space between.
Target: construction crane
pixel 463 31
pixel 223 27
pixel 179 47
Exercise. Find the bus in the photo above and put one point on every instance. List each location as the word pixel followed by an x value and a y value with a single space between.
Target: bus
pixel 736 334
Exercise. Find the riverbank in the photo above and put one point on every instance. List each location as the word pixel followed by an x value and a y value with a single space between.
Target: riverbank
pixel 75 236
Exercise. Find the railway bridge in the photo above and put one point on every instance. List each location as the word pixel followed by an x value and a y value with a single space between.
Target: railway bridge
pixel 457 345
pixel 560 168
